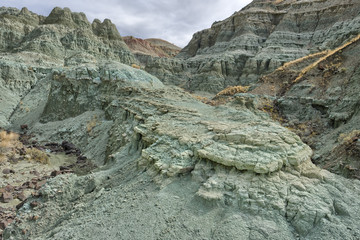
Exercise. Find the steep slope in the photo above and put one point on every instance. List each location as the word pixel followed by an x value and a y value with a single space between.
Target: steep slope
pixel 61 39
pixel 318 96
pixel 257 40
pixel 152 47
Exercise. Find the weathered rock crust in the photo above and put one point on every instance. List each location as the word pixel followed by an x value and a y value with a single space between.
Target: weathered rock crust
pixel 173 167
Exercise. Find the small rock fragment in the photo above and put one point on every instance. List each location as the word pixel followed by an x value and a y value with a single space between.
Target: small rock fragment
pixel 39 184
pixel 6 197
pixel 34 204
pixel 9 188
pixel 55 173
pixel 34 172
pixel 21 196
pixel 4 223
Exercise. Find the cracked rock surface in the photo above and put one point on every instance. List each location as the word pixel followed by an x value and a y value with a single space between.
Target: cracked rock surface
pixel 171 167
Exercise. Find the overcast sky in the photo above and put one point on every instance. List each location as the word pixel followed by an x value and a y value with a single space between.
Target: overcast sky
pixel 172 20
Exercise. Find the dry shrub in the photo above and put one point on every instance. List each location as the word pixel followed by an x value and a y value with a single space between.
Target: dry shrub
pixel 272 109
pixel 222 100
pixel 278 1
pixel 7 140
pixel 299 60
pixel 346 138
pixel 91 124
pixel 200 98
pixel 37 155
pixel 135 66
pixel 232 90
pixel 328 55
pixel 216 101
pixel 345 157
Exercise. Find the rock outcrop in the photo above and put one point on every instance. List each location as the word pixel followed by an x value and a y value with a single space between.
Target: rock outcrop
pixel 317 95
pixel 62 35
pixel 257 40
pixel 171 167
pixel 61 39
pixel 212 170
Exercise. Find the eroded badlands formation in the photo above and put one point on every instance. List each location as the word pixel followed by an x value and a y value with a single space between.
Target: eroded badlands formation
pixel 170 166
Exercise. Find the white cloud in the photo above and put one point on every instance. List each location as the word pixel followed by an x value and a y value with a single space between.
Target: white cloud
pixel 172 20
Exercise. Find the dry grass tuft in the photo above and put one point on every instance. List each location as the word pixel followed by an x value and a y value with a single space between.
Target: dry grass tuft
pixel 299 60
pixel 232 90
pixel 272 109
pixel 10 146
pixel 91 124
pixel 216 101
pixel 135 66
pixel 328 54
pixel 37 155
pixel 278 1
pixel 202 99
pixel 345 138
pixel 8 140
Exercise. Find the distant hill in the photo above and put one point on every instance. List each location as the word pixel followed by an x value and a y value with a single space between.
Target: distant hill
pixel 153 46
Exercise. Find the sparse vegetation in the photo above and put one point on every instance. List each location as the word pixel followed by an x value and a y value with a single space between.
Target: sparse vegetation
pixel 91 124
pixel 329 54
pixel 8 139
pixel 223 96
pixel 283 78
pixel 349 137
pixel 202 99
pixel 342 70
pixel 232 90
pixel 10 146
pixel 216 101
pixel 8 143
pixel 135 66
pixel 37 155
pixel 299 60
pixel 272 109
pixel 346 155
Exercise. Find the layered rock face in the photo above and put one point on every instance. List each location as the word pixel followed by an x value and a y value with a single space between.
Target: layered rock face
pixel 318 96
pixel 63 38
pixel 172 167
pixel 62 35
pixel 258 39
pixel 175 162
pixel 151 47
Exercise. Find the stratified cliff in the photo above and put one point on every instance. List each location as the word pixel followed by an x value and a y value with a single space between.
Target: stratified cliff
pixel 318 97
pixel 151 47
pixel 258 39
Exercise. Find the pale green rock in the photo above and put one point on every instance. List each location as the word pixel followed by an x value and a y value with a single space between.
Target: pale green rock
pixel 170 166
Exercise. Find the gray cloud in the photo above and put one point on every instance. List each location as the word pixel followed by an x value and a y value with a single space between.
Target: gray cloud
pixel 172 20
